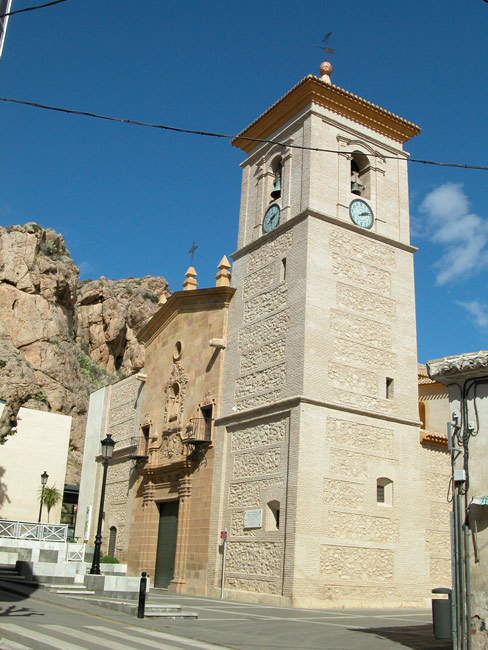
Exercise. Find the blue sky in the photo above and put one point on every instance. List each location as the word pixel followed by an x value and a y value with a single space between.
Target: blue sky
pixel 130 200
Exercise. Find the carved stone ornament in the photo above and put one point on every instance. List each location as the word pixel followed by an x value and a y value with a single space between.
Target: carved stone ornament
pixel 207 399
pixel 444 370
pixel 172 448
pixel 175 391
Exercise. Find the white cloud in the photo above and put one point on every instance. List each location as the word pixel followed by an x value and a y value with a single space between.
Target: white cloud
pixel 463 235
pixel 85 268
pixel 478 311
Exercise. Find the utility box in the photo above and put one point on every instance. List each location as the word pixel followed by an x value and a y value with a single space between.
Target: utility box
pixel 441 613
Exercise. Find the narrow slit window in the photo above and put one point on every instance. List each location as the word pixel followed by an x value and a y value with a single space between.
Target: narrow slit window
pixel 283 270
pixel 389 388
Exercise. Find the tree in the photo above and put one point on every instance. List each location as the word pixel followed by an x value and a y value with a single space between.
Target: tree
pixel 50 497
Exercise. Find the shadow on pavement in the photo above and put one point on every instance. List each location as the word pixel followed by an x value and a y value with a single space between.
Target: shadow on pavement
pixel 416 637
pixel 12 610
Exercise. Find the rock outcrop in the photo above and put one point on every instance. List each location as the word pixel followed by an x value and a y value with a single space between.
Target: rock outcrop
pixel 60 340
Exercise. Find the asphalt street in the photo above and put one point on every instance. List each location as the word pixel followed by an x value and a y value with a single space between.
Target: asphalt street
pixel 41 621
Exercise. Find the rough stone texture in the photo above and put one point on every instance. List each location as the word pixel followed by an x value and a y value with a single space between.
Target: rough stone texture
pixel 270 250
pixel 110 313
pixel 248 494
pixel 343 493
pixel 371 278
pixel 363 355
pixel 261 380
pixel 256 463
pixel 361 329
pixel 363 249
pixel 254 558
pixel 267 433
pixel 372 439
pixel 352 563
pixel 264 330
pixel 265 303
pixel 353 378
pixel 258 281
pixel 270 353
pixel 45 321
pixel 237 526
pixel 255 586
pixel 362 528
pixel 360 300
pixel 259 400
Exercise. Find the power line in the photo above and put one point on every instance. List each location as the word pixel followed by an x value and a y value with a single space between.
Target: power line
pixel 212 134
pixel 20 11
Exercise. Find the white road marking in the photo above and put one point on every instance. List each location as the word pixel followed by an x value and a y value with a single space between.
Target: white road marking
pixel 161 635
pixel 38 636
pixel 92 638
pixel 11 645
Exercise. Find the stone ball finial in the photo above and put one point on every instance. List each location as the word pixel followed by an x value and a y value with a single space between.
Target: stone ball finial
pixel 325 69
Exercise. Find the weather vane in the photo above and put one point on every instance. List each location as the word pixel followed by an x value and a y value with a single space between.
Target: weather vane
pixel 325 41
pixel 192 251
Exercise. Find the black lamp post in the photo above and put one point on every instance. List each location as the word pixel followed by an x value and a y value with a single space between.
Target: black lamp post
pixel 44 477
pixel 107 450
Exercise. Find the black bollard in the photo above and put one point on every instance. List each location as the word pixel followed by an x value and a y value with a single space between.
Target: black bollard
pixel 142 595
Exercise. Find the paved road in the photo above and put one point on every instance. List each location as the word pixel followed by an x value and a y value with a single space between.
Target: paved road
pixel 43 621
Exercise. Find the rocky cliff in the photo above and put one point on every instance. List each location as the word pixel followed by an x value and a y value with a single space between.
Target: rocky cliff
pixel 59 339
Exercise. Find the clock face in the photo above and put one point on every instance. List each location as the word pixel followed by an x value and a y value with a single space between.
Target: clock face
pixel 361 213
pixel 271 218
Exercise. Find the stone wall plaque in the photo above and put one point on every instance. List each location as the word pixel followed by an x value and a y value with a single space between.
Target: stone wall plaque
pixel 253 518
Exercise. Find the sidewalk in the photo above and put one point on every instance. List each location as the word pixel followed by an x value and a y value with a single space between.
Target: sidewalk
pixel 245 626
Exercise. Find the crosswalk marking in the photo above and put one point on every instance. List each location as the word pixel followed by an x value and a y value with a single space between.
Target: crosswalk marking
pixel 97 640
pixel 160 635
pixel 44 638
pixel 11 645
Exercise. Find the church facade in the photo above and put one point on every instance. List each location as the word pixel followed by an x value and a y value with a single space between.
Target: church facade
pixel 282 413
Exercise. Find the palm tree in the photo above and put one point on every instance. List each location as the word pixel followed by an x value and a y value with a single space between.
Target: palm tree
pixel 50 497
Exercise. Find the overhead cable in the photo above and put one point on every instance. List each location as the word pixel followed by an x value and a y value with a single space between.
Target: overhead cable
pixel 212 134
pixel 20 11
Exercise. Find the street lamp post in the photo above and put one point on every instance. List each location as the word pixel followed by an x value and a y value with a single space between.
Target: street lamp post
pixel 107 450
pixel 44 477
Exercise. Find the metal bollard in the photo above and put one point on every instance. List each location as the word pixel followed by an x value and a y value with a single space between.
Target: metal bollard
pixel 142 595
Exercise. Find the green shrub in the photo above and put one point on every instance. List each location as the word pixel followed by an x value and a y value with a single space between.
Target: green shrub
pixel 49 248
pixel 149 295
pixel 41 396
pixel 107 559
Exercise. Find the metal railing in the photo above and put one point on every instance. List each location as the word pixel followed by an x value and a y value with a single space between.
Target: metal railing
pixel 198 430
pixel 28 530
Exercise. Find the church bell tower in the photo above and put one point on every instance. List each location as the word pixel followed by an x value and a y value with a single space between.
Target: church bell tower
pixel 317 447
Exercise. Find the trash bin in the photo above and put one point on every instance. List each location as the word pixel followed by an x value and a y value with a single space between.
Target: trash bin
pixel 441 614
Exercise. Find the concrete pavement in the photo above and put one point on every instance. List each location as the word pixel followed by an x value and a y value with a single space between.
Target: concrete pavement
pixel 221 624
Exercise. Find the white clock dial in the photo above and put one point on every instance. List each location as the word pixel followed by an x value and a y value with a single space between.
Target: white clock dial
pixel 361 214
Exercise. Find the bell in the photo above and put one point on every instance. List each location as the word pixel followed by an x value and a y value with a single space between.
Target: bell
pixel 276 193
pixel 355 188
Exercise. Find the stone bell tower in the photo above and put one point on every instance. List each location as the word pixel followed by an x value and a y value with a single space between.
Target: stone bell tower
pixel 317 451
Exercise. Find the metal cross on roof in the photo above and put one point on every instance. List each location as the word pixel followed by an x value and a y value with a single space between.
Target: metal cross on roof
pixel 325 41
pixel 192 251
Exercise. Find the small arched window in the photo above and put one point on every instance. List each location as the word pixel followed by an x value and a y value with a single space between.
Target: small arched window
pixel 272 521
pixel 384 491
pixel 112 541
pixel 360 175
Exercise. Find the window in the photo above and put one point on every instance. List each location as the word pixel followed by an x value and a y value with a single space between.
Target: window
pixel 283 270
pixel 360 175
pixel 422 415
pixel 111 541
pixel 207 412
pixel 272 516
pixel 277 169
pixel 384 491
pixel 144 440
pixel 389 388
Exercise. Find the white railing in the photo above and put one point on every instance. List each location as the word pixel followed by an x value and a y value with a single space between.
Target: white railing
pixel 75 552
pixel 27 530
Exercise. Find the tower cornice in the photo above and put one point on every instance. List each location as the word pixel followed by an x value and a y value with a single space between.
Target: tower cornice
pixel 311 90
